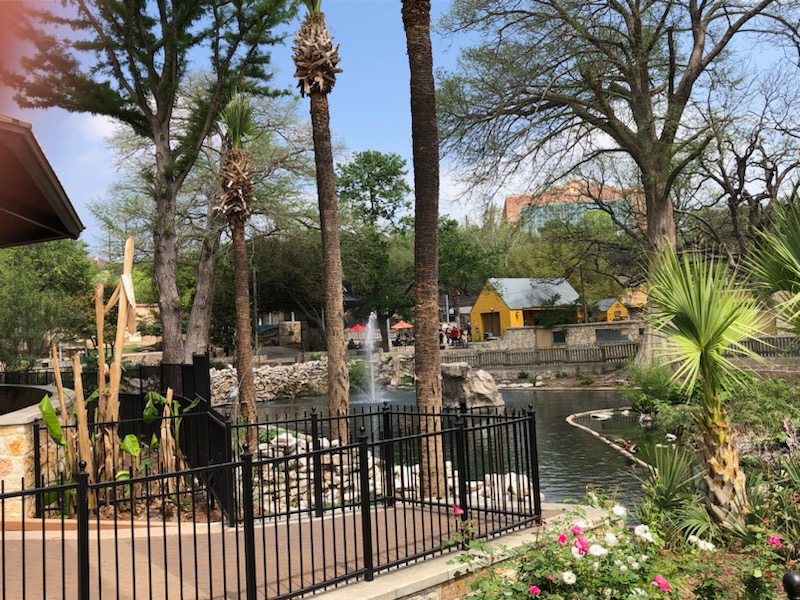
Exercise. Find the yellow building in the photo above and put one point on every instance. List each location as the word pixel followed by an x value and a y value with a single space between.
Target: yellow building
pixel 611 309
pixel 516 302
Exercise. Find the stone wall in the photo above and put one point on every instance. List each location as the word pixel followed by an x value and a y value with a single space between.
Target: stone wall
pixel 273 382
pixel 578 335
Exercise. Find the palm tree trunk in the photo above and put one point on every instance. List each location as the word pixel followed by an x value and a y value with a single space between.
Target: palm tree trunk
pixel 425 144
pixel 244 351
pixel 338 376
pixel 724 478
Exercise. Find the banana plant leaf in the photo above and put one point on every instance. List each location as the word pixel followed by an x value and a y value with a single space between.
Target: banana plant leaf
pixel 51 420
pixel 130 444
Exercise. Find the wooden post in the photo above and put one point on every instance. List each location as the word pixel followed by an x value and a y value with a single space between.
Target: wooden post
pixel 84 439
pixel 99 316
pixel 64 416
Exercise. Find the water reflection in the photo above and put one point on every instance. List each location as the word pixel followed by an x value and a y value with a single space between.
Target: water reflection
pixel 569 458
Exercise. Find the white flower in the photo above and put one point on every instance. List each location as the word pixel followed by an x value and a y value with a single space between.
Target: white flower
pixel 611 539
pixel 569 577
pixel 618 563
pixel 638 592
pixel 635 566
pixel 597 550
pixel 619 510
pixel 706 546
pixel 643 531
pixel 630 559
pixel 595 565
pixel 607 592
pixel 576 553
pixel 623 568
pixel 593 499
pixel 693 539
pixel 643 558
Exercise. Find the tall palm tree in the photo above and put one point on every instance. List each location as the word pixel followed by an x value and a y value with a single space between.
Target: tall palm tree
pixel 235 201
pixel 704 312
pixel 425 146
pixel 316 59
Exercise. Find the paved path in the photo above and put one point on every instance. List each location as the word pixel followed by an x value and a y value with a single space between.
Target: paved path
pixel 205 560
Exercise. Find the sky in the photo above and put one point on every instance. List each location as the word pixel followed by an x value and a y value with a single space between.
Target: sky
pixel 370 105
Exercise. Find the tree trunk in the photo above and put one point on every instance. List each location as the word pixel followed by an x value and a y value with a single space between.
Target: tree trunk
pixel 203 302
pixel 383 325
pixel 338 375
pixel 425 145
pixel 244 351
pixel 165 242
pixel 662 234
pixel 723 476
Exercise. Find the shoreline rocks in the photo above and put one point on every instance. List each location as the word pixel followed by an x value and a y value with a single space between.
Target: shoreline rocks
pixel 280 382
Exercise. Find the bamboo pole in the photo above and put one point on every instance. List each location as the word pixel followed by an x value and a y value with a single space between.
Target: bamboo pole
pixel 84 439
pixel 64 415
pixel 99 317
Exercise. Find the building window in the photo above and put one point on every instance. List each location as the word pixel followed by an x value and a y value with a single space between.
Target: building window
pixel 610 335
pixel 560 337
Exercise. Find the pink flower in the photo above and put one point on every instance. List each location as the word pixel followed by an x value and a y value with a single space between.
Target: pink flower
pixel 562 539
pixel 766 521
pixel 577 530
pixel 457 510
pixel 662 583
pixel 582 544
pixel 774 540
pixel 535 591
pixel 550 577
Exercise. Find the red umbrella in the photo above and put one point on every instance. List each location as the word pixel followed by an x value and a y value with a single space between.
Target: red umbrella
pixel 357 328
pixel 402 325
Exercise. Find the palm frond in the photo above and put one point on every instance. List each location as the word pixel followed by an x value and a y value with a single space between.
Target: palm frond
pixel 671 475
pixel 704 311
pixel 237 116
pixel 775 264
pixel 313 6
pixel 693 519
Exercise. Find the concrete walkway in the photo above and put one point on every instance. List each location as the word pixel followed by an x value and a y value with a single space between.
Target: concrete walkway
pixel 206 560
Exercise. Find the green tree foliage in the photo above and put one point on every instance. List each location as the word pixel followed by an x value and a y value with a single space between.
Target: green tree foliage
pixel 130 60
pixel 373 187
pixel 45 295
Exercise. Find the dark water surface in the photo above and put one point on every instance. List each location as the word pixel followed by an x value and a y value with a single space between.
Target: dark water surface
pixel 569 458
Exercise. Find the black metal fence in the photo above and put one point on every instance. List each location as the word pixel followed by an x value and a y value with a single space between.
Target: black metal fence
pixel 309 513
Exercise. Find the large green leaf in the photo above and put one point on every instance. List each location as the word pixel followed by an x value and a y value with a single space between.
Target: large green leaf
pixel 151 411
pixel 130 444
pixel 51 420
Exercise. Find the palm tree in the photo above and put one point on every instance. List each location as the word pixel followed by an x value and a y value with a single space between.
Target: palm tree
pixel 425 146
pixel 316 59
pixel 235 201
pixel 704 312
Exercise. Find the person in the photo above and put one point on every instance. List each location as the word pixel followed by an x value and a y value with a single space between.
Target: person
pixel 449 333
pixel 398 341
pixel 441 338
pixel 469 332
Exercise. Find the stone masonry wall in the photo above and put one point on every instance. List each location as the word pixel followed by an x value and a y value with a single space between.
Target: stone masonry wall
pixel 16 463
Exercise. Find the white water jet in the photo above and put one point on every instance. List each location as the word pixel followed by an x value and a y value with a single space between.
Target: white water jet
pixel 375 394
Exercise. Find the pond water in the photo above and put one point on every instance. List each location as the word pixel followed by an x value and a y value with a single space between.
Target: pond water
pixel 569 458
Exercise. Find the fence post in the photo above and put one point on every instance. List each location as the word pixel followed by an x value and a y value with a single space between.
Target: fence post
pixel 37 469
pixel 387 453
pixel 537 496
pixel 366 517
pixel 247 522
pixel 316 463
pixel 83 532
pixel 461 464
pixel 791 585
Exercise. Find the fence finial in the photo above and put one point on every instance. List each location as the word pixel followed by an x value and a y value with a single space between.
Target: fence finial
pixel 791 585
pixel 82 466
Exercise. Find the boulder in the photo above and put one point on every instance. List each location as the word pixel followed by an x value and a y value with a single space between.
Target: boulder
pixel 474 387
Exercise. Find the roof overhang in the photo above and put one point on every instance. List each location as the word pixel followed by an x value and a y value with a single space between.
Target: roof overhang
pixel 33 204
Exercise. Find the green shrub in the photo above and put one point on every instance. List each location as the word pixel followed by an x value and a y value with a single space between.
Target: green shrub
pixel 407 381
pixel 677 419
pixel 586 379
pixel 359 376
pixel 314 356
pixel 654 387
pixel 762 405
pixel 522 375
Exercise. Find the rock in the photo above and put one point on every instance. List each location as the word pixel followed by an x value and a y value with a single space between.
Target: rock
pixel 539 378
pixel 540 383
pixel 475 387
